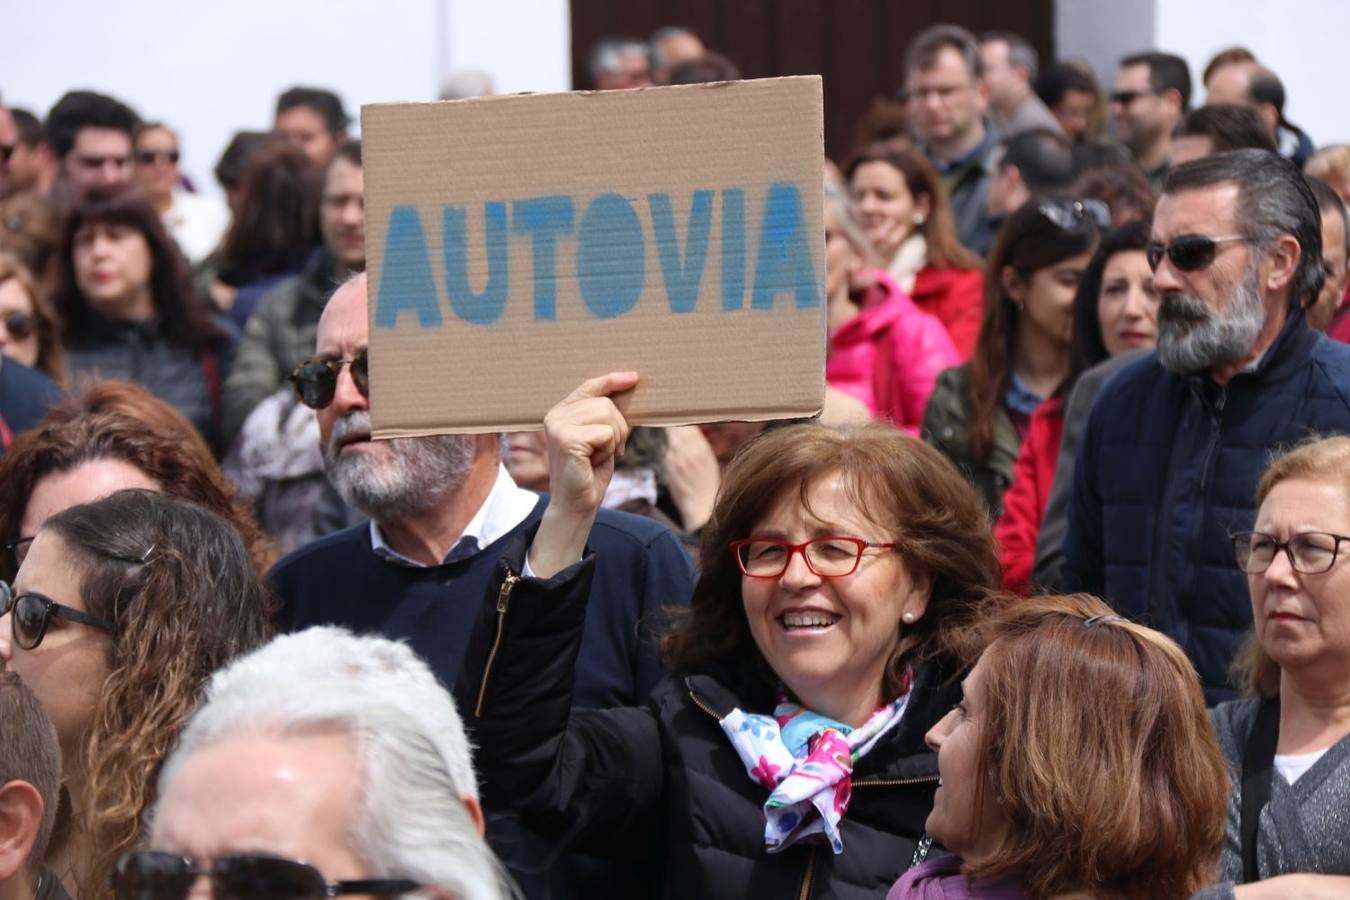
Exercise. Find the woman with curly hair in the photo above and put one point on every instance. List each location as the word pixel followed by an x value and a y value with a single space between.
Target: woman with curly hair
pixel 120 613
pixel 110 436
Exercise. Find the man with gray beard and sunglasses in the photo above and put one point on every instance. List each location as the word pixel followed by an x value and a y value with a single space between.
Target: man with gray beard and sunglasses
pixel 442 511
pixel 1176 441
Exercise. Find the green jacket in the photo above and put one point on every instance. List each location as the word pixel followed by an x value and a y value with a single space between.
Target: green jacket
pixel 946 426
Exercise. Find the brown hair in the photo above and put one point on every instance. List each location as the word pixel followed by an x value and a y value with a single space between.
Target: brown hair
pixel 51 356
pixel 30 228
pixel 179 587
pixel 30 752
pixel 905 486
pixel 118 420
pixel 1094 741
pixel 1331 163
pixel 1027 243
pixel 1319 458
pixel 945 250
pixel 1226 57
pixel 277 225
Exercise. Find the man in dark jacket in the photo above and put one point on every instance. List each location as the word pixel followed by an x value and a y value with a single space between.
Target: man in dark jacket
pixel 442 509
pixel 1175 444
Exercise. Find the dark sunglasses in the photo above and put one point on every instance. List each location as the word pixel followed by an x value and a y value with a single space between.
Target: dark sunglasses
pixel 1189 252
pixel 154 875
pixel 30 614
pixel 20 325
pixel 1125 98
pixel 1072 215
pixel 6 151
pixel 18 549
pixel 150 157
pixel 315 380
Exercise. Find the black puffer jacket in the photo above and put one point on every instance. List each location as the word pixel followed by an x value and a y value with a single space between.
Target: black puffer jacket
pixel 662 781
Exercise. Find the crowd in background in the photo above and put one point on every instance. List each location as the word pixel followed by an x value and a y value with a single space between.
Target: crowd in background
pixel 1046 602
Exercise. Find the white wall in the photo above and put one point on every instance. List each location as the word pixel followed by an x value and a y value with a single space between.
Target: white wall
pixel 1302 41
pixel 209 69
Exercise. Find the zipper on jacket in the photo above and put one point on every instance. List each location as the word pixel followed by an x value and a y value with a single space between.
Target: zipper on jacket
pixel 503 601
pixel 806 878
pixel 699 702
pixel 894 782
pixel 1215 426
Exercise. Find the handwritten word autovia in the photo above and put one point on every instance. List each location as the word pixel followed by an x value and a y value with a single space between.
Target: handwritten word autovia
pixel 610 244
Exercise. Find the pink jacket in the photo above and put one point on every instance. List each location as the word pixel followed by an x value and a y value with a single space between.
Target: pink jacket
pixel 889 354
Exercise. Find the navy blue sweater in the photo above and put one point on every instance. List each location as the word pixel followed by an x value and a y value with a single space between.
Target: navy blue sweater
pixel 1167 471
pixel 339 580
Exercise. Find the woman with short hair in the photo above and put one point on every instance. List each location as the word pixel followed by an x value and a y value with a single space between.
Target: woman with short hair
pixel 1288 740
pixel 1079 762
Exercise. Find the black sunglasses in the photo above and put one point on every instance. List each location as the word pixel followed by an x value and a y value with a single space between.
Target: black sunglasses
pixel 1072 215
pixel 154 875
pixel 1125 98
pixel 20 325
pixel 17 550
pixel 6 151
pixel 149 157
pixel 315 380
pixel 30 614
pixel 1188 252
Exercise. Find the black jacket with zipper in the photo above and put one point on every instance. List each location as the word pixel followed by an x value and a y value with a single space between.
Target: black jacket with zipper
pixel 662 781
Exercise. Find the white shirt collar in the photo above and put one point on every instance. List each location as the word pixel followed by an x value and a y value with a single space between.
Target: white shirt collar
pixel 506 506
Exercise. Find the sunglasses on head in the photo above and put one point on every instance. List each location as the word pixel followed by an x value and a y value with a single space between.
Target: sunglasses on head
pixel 30 614
pixel 153 875
pixel 20 325
pixel 1188 252
pixel 1071 215
pixel 315 380
pixel 150 157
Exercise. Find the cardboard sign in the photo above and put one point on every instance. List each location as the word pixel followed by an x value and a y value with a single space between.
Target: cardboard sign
pixel 518 245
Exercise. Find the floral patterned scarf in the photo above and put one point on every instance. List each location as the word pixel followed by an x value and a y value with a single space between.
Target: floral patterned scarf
pixel 806 761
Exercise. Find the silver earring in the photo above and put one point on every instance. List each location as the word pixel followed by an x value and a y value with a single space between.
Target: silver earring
pixel 918 218
pixel 908 618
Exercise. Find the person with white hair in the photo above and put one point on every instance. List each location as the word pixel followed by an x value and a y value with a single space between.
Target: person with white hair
pixel 341 751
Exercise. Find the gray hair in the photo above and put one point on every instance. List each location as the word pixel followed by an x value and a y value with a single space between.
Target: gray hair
pixel 1274 200
pixel 607 54
pixel 415 757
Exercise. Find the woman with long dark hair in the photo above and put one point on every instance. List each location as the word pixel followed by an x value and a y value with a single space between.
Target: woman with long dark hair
pixel 979 412
pixel 128 310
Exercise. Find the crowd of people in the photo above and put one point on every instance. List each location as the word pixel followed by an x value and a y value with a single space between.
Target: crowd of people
pixel 1045 603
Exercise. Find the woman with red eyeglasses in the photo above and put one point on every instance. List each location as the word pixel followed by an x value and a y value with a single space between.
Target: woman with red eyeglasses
pixel 784 755
pixel 118 616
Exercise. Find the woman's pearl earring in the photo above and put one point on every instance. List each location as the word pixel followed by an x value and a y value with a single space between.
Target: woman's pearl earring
pixel 908 618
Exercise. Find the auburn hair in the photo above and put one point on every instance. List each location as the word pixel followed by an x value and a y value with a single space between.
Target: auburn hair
pixel 945 250
pixel 1094 740
pixel 122 421
pixel 919 500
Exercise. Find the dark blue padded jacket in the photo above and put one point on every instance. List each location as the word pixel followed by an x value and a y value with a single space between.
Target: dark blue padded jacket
pixel 1167 472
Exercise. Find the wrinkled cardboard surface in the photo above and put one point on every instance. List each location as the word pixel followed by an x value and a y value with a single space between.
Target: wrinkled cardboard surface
pixel 706 365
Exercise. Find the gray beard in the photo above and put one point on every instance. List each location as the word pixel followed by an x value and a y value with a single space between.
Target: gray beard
pixel 1192 337
pixel 419 472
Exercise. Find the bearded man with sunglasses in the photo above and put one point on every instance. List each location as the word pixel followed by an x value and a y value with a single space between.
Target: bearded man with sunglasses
pixel 442 509
pixel 1175 443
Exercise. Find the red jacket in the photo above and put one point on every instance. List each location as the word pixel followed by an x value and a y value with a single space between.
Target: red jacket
pixel 1024 502
pixel 956 297
pixel 889 354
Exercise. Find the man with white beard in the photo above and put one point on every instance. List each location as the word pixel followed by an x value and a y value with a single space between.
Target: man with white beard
pixel 1175 443
pixel 442 511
